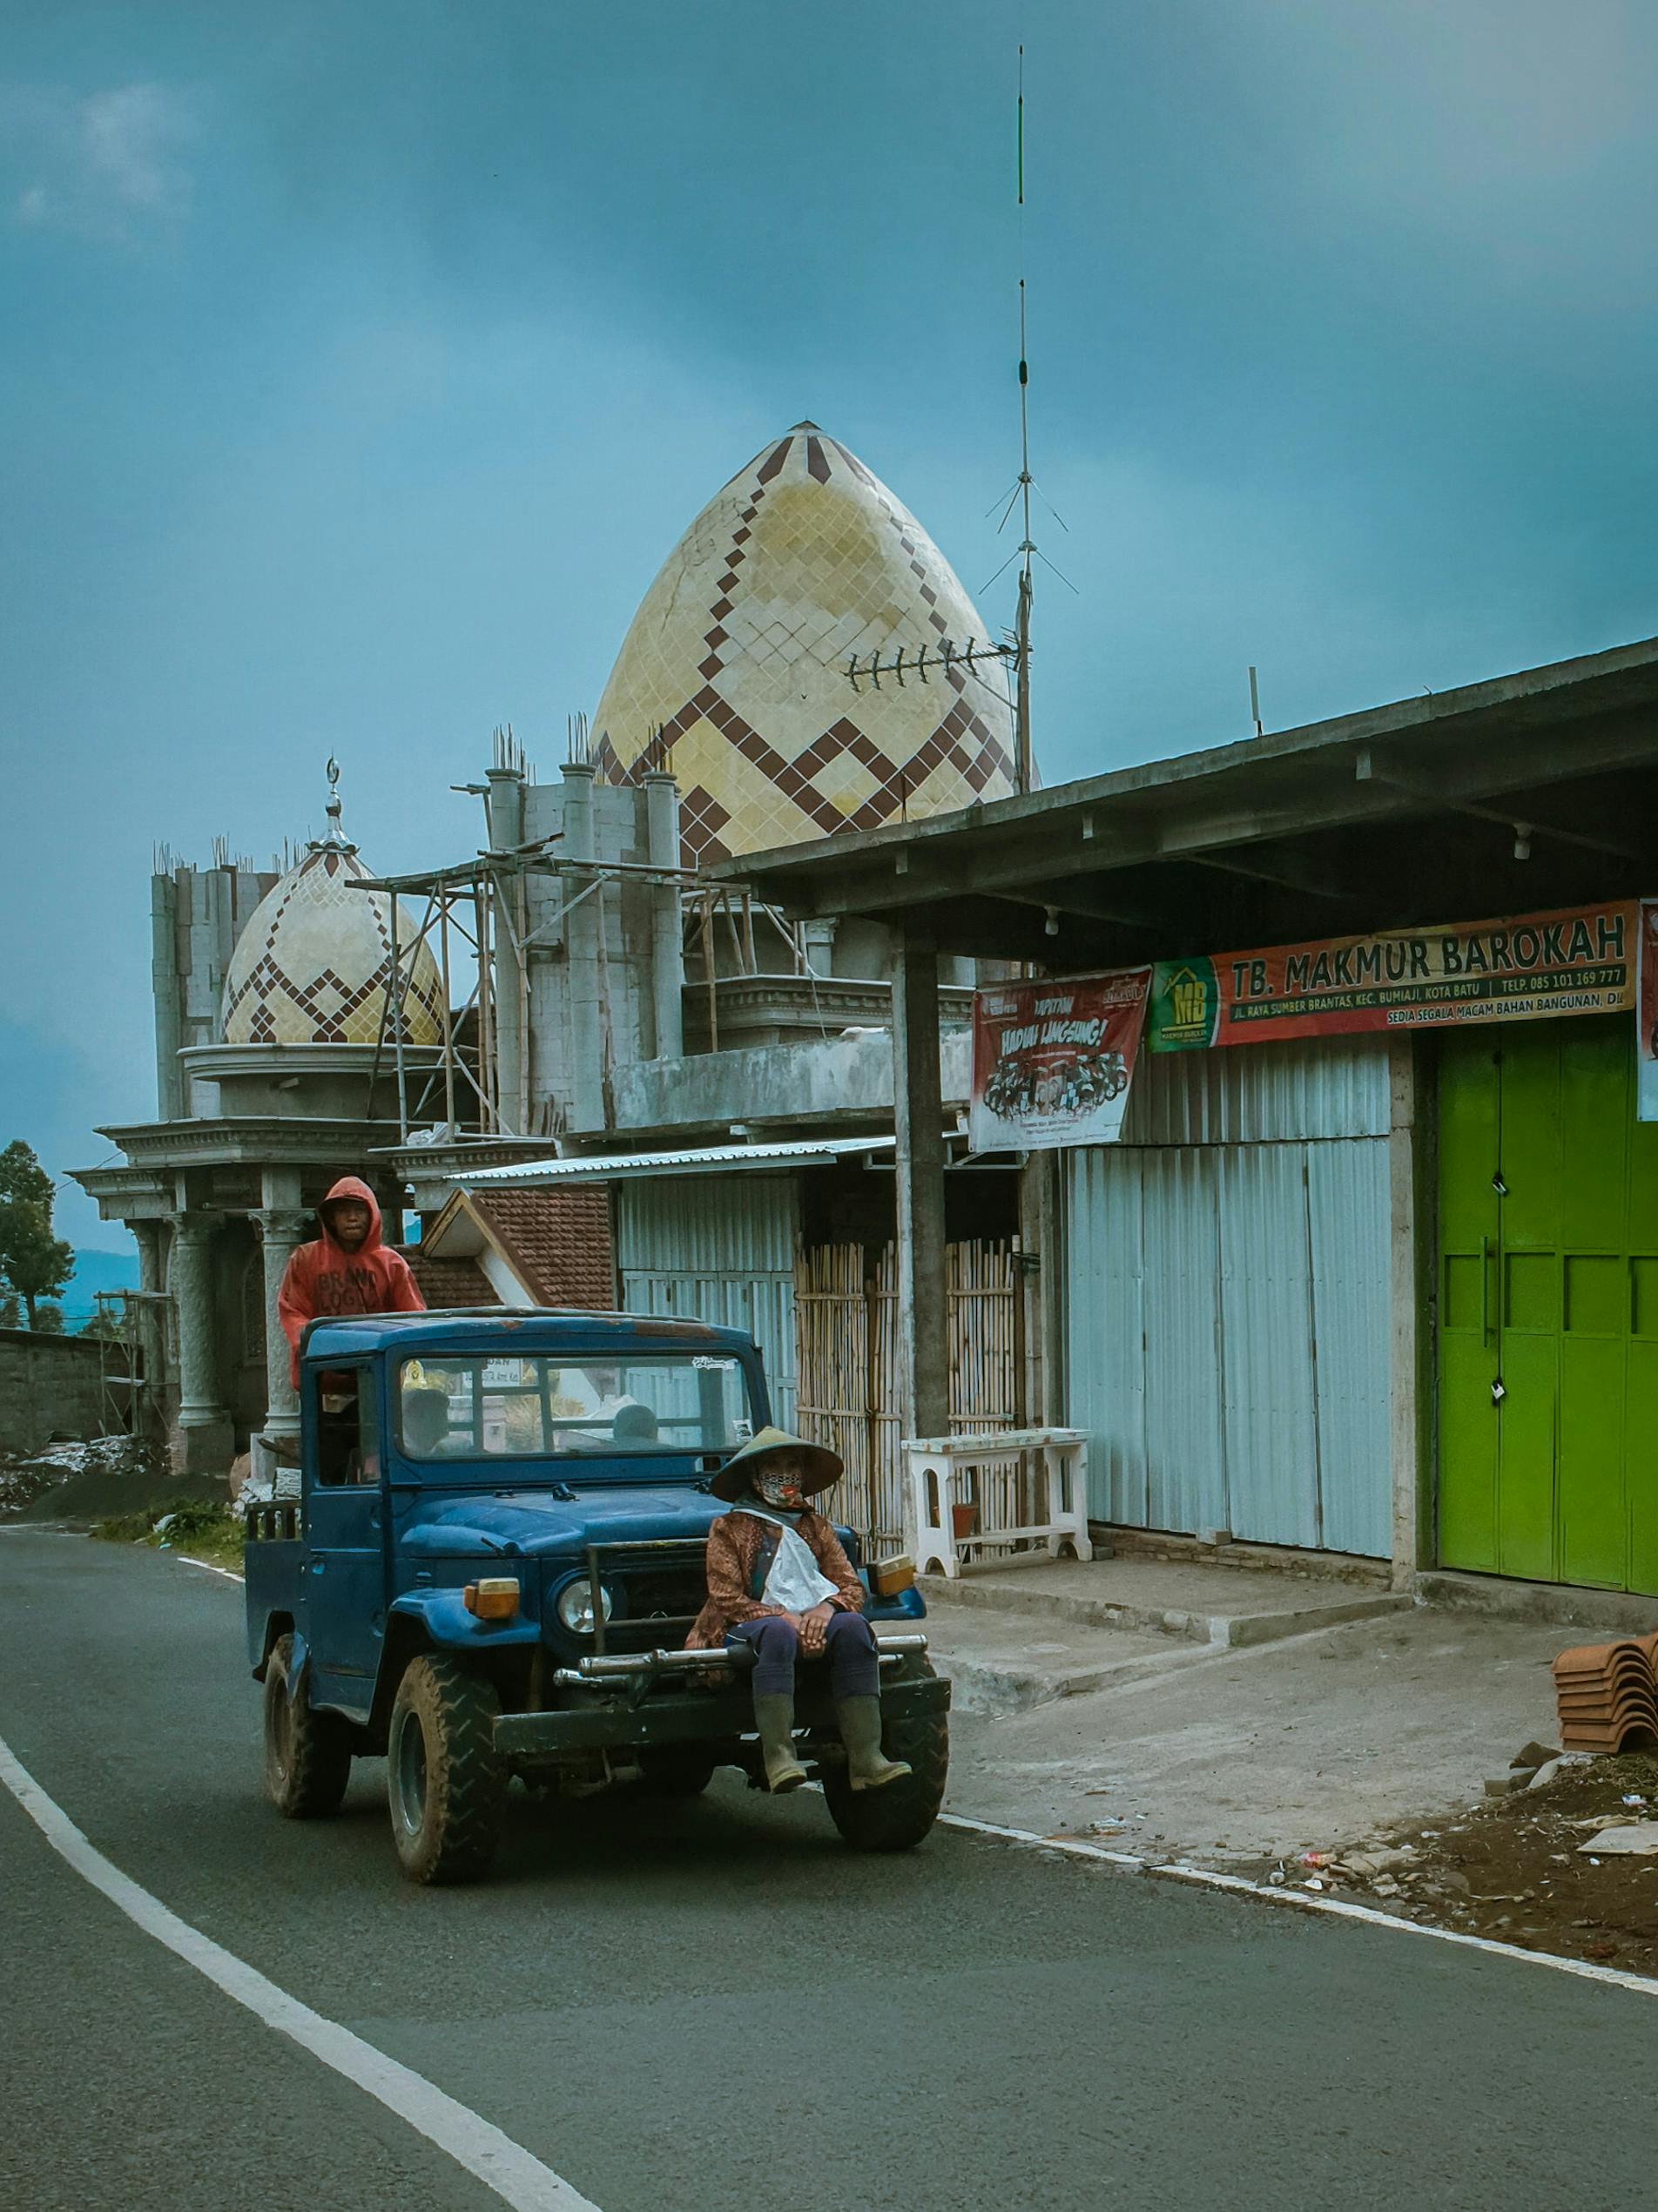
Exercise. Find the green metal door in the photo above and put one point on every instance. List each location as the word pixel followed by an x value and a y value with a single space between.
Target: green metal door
pixel 1548 1307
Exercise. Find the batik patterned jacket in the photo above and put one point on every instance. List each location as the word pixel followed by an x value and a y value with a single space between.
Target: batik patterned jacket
pixel 740 1551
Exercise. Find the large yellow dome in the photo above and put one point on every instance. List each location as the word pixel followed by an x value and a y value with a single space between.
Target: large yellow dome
pixel 313 965
pixel 740 654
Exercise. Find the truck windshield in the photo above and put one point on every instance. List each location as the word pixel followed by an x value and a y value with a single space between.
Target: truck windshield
pixel 537 1408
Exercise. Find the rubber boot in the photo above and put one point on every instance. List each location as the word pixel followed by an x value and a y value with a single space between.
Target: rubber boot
pixel 867 1768
pixel 774 1719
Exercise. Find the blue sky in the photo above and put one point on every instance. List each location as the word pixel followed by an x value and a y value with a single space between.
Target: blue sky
pixel 362 362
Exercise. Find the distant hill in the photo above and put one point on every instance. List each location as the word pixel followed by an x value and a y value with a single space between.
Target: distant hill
pixel 98 1271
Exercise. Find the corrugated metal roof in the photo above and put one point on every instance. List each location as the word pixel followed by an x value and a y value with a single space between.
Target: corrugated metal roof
pixel 802 1152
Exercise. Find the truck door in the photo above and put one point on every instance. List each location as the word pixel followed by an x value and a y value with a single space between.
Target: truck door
pixel 343 1574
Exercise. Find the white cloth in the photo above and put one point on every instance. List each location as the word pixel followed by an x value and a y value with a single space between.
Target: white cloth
pixel 796 1582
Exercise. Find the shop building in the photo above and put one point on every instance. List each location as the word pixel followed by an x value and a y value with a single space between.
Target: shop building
pixel 1390 1292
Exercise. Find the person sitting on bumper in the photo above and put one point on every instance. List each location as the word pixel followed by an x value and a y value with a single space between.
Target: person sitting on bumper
pixel 779 1580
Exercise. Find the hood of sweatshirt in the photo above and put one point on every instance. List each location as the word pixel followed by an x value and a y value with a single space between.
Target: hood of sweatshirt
pixel 351 1186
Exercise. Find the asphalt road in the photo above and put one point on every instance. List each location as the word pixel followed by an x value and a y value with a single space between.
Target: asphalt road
pixel 694 2008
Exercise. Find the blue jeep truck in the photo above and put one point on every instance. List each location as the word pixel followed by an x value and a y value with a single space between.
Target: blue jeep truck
pixel 491 1568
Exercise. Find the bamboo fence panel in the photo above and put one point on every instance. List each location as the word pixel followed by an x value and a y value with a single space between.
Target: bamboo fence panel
pixel 846 1325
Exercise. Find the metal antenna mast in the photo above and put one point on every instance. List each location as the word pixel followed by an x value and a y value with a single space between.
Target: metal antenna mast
pixel 1022 632
pixel 1027 551
pixel 949 656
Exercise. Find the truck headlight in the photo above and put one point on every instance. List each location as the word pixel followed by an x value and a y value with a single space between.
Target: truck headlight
pixel 576 1606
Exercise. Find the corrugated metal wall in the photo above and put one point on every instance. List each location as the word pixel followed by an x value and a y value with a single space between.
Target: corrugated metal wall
pixel 716 1248
pixel 1259 1094
pixel 1227 1282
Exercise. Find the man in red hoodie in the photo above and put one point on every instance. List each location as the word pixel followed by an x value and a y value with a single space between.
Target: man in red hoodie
pixel 347 1270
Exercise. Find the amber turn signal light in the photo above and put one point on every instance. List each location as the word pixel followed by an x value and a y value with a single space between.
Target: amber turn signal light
pixel 889 1576
pixel 495 1600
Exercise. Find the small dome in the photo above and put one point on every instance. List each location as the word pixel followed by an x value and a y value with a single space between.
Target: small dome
pixel 313 965
pixel 740 654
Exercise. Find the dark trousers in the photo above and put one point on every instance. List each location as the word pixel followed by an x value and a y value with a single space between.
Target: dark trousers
pixel 849 1648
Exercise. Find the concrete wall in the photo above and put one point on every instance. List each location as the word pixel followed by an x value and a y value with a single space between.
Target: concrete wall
pixel 848 1076
pixel 49 1386
pixel 609 935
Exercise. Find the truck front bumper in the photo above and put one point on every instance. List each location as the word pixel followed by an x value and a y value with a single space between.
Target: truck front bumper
pixel 635 1711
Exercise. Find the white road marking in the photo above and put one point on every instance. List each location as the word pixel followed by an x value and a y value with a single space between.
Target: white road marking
pixel 472 2142
pixel 229 1573
pixel 1201 1877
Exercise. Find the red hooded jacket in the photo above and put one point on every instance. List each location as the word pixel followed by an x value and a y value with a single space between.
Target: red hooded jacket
pixel 324 1277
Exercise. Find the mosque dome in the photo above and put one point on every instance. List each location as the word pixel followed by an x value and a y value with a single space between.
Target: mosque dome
pixel 313 965
pixel 739 656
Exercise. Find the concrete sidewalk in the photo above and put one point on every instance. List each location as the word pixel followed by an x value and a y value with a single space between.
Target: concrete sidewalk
pixel 1224 1715
pixel 1224 1607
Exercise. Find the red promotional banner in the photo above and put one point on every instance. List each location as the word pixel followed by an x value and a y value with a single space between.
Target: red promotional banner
pixel 1052 1062
pixel 1579 960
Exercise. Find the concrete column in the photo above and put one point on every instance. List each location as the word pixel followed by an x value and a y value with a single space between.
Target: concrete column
pixel 504 811
pixel 283 1225
pixel 204 1438
pixel 164 985
pixel 667 930
pixel 917 1102
pixel 586 1060
pixel 1411 1244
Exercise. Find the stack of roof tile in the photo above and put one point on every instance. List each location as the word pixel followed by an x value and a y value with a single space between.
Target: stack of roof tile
pixel 1607 1694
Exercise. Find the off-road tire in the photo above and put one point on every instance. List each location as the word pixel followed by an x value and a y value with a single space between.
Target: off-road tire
pixel 675 1770
pixel 307 1754
pixel 445 1781
pixel 897 1817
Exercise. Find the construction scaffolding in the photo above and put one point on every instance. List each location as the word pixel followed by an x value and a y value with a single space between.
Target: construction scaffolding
pixel 128 1366
pixel 475 915
pixel 482 905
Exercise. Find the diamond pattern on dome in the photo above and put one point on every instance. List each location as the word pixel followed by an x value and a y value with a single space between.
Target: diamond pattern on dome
pixel 739 650
pixel 313 965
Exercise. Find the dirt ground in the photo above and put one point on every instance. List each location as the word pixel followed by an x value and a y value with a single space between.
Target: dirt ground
pixel 1512 1869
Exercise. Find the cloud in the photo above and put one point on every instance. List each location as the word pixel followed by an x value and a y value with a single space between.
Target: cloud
pixel 109 165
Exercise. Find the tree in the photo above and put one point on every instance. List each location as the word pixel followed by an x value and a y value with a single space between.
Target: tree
pixel 10 1310
pixel 33 1262
pixel 49 1319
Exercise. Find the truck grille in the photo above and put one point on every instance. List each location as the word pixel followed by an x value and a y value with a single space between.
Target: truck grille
pixel 662 1589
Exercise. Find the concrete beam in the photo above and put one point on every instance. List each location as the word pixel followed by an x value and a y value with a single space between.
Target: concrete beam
pixel 1521 811
pixel 1279 864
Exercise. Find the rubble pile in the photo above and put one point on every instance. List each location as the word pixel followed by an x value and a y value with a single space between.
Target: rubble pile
pixel 1563 1857
pixel 24 1478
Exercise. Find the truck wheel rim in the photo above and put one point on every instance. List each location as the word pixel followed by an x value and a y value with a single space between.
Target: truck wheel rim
pixel 410 1775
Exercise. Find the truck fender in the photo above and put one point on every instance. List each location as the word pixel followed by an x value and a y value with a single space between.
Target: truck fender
pixel 299 1671
pixel 424 1620
pixel 444 1616
pixel 276 1626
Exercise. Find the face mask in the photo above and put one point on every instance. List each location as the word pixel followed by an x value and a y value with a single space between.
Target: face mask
pixel 782 1490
